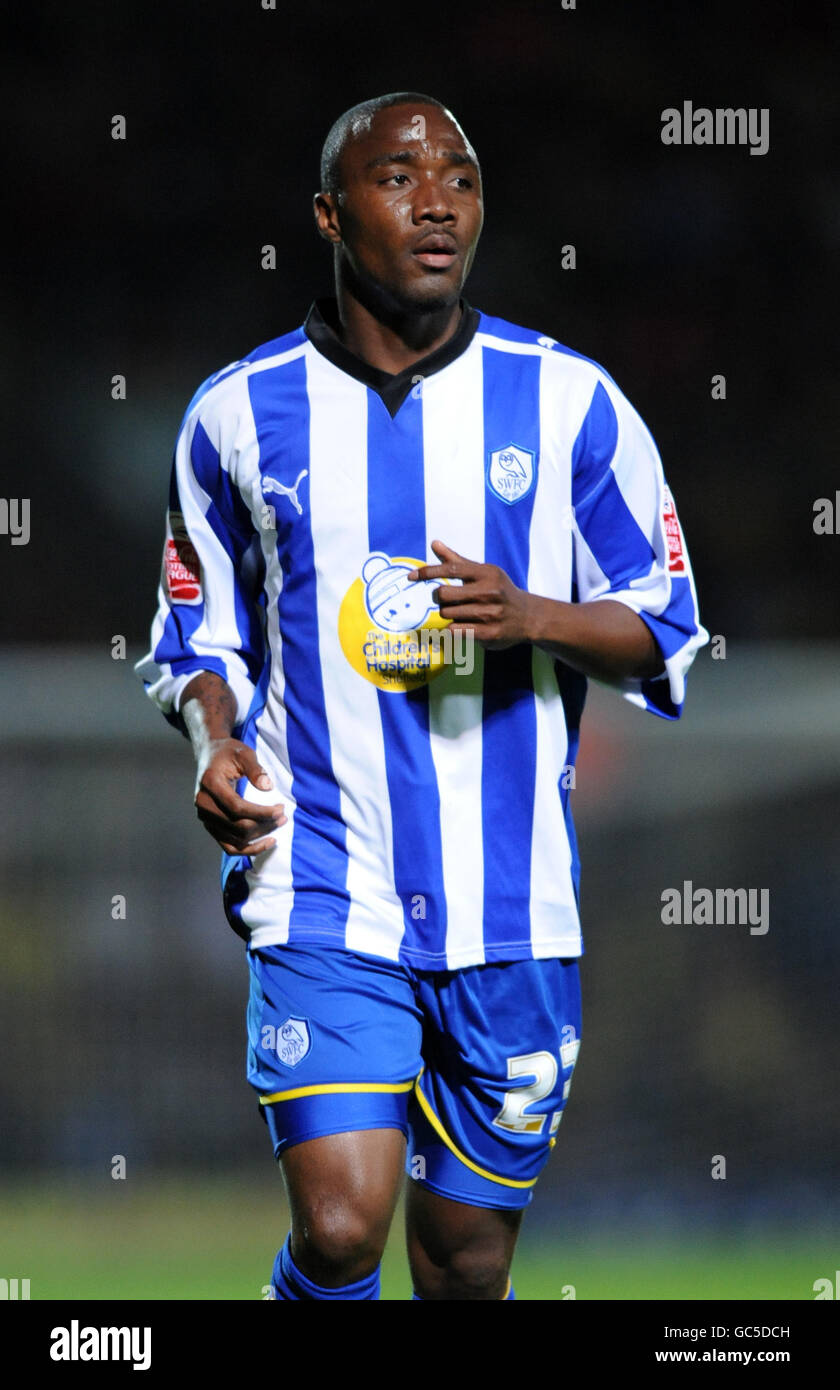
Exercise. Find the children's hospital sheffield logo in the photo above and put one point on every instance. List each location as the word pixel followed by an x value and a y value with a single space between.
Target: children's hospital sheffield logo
pixel 388 625
pixel 511 472
pixel 391 599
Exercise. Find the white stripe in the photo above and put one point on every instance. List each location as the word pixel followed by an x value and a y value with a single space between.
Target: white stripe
pixel 270 898
pixel 215 404
pixel 637 469
pixel 217 635
pixel 555 928
pixel 491 340
pixel 338 500
pixel 550 575
pixel 455 494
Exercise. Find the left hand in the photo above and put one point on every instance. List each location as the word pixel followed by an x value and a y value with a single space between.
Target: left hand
pixel 487 602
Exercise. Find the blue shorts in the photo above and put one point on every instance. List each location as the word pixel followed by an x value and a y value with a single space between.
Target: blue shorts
pixel 473 1065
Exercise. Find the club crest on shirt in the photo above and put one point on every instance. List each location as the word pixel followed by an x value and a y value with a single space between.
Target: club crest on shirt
pixel 511 472
pixel 294 1041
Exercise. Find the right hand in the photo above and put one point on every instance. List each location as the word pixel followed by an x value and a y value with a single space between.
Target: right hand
pixel 239 826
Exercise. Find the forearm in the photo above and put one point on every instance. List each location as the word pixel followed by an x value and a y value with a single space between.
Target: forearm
pixel 208 707
pixel 604 639
pixel 239 826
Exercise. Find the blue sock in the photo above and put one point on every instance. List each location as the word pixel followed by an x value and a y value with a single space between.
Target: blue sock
pixel 290 1285
pixel 509 1296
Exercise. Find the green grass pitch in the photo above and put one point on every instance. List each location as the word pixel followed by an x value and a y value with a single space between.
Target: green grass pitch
pixel 164 1238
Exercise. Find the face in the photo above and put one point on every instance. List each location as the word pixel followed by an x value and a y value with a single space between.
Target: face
pixel 409 215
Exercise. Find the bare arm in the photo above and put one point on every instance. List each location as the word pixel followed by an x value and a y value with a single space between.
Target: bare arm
pixel 209 710
pixel 604 639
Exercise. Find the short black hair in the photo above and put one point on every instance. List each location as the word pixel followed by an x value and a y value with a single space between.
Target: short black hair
pixel 353 122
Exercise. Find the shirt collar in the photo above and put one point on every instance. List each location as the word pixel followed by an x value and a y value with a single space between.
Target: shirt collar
pixel 392 388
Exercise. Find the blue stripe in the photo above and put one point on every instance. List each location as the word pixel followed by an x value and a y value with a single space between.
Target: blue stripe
pixel 514 333
pixel 228 514
pixel 175 647
pixel 275 346
pixel 619 545
pixel 677 624
pixel 657 696
pixel 595 445
pixel 511 416
pixel 280 405
pixel 235 891
pixel 232 525
pixel 397 525
pixel 270 349
pixel 249 727
pixel 673 628
pixel 233 867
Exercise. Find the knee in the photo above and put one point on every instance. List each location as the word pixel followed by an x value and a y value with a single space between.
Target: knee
pixel 479 1273
pixel 336 1243
pixel 472 1273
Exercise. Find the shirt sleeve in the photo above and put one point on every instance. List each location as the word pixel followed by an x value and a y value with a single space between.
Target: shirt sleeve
pixel 628 543
pixel 209 614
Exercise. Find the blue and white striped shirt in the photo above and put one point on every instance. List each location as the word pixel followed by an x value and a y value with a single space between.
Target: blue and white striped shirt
pixel 428 805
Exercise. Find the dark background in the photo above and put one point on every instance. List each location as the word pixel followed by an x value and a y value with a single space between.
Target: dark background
pixel 142 257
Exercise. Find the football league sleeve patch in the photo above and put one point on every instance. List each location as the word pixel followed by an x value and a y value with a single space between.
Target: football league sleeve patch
pixel 207 618
pixel 629 545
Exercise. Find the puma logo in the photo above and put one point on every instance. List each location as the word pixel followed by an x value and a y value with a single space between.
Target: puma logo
pixel 271 485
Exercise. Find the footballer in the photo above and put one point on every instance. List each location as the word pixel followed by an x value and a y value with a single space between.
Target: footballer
pixel 400 478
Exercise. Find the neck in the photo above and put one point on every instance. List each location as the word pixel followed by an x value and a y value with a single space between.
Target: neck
pixel 391 339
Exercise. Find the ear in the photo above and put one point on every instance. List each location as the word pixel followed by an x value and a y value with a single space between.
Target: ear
pixel 325 210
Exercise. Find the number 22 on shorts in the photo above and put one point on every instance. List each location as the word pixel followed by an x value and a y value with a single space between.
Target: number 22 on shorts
pixel 542 1066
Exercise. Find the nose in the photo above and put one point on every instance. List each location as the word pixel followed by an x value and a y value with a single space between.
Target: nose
pixel 432 201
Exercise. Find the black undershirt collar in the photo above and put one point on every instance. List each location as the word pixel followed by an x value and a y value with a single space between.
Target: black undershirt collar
pixel 391 387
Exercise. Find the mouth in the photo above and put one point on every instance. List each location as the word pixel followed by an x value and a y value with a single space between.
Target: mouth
pixel 438 252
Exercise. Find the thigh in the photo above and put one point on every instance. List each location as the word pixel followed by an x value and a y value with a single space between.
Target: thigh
pixel 456 1249
pixel 333 1043
pixel 343 1189
pixel 499 1046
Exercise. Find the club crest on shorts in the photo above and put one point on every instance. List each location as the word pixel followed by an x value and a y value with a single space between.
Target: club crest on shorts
pixel 294 1041
pixel 511 472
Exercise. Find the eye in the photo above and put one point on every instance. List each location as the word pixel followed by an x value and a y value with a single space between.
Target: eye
pixel 393 177
pixel 464 181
